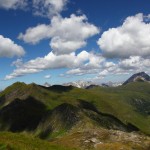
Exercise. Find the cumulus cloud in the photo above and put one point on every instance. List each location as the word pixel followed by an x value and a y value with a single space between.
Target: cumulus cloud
pixel 81 64
pixel 132 65
pixel 9 49
pixel 36 34
pixel 62 46
pixel 105 68
pixel 130 39
pixel 50 61
pixel 66 34
pixel 13 4
pixel 135 63
pixel 44 8
pixel 93 65
pixel 48 8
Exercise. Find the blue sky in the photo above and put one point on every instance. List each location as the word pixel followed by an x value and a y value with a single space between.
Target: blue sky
pixel 59 41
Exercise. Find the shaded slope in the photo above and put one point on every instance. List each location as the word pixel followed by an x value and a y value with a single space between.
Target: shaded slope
pixel 66 116
pixel 59 88
pixel 21 115
pixel 107 121
pixel 62 118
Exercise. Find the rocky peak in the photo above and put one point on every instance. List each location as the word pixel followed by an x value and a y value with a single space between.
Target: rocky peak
pixel 138 77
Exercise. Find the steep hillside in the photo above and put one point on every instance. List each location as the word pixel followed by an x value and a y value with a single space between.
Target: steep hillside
pixel 66 116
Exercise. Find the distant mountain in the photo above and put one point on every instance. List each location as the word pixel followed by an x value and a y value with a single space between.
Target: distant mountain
pixel 138 77
pixel 111 84
pixel 79 84
pixel 92 86
pixel 46 84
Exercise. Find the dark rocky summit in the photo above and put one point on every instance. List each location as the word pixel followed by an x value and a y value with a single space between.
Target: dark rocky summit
pixel 138 77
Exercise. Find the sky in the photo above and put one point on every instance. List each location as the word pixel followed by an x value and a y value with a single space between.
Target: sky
pixel 60 41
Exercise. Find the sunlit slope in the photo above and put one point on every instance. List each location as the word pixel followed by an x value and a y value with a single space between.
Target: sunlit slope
pixel 17 141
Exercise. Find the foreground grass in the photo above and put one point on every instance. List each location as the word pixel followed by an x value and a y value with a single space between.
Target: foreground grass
pixel 17 141
pixel 86 139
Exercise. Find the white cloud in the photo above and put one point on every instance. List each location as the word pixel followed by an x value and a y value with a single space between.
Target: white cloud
pixel 17 63
pixel 130 65
pixel 76 71
pixel 44 8
pixel 62 46
pixel 104 68
pixel 48 8
pixel 135 63
pixel 36 34
pixel 93 65
pixel 103 73
pixel 95 62
pixel 130 39
pixel 13 4
pixel 47 76
pixel 9 49
pixel 50 61
pixel 66 34
pixel 81 64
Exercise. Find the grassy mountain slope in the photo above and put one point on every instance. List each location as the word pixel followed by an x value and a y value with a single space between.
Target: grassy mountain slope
pixel 125 103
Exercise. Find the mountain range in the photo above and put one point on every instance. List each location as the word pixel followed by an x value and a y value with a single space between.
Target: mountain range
pixel 93 117
pixel 141 76
pixel 79 84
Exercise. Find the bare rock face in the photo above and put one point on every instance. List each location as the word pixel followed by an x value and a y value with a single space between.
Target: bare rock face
pixel 139 77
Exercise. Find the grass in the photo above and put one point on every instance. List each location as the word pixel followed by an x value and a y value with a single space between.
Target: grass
pixel 17 141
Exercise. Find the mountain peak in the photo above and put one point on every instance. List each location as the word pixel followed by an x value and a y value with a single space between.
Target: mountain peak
pixel 138 77
pixel 18 83
pixel 79 84
pixel 46 84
